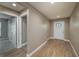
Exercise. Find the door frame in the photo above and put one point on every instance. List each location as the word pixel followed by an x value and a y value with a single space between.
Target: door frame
pixel 24 13
pixel 64 29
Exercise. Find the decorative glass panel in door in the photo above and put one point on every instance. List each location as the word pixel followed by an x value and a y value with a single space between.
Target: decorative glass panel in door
pixel 59 29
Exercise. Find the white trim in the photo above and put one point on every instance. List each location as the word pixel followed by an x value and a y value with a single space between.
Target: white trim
pixel 30 54
pixel 23 44
pixel 19 32
pixel 9 13
pixel 27 55
pixel 59 39
pixel 69 42
pixel 24 13
pixel 73 49
pixel 51 37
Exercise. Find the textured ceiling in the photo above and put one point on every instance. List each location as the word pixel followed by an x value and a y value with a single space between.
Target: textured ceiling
pixel 56 10
pixel 18 7
pixel 51 11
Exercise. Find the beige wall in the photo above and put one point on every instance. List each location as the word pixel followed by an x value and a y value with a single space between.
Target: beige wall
pixel 66 20
pixel 74 28
pixel 8 11
pixel 37 29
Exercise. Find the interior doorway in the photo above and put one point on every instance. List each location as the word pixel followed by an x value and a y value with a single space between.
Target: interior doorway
pixel 24 30
pixel 59 29
pixel 23 41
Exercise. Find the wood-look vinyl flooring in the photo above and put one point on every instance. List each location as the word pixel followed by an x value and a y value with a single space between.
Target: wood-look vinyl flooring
pixel 55 48
pixel 16 52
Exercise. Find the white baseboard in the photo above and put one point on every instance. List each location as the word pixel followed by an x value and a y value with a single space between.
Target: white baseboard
pixel 19 46
pixel 30 54
pixel 74 49
pixel 23 44
pixel 51 38
pixel 58 39
pixel 27 55
pixel 69 42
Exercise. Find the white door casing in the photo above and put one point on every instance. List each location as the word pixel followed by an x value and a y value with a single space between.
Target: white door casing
pixel 21 27
pixel 59 29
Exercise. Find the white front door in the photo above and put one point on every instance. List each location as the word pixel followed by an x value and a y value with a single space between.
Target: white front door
pixel 59 29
